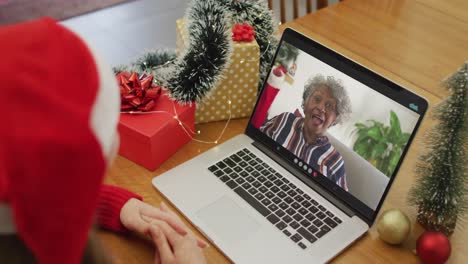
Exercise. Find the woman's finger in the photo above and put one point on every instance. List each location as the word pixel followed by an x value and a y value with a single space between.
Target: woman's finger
pixel 200 242
pixel 137 224
pixel 163 249
pixel 164 207
pixel 157 256
pixel 168 219
pixel 172 236
pixel 151 212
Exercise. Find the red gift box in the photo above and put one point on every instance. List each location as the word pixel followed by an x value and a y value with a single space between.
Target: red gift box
pixel 151 138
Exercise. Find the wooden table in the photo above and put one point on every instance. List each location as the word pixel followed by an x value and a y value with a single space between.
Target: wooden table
pixel 415 43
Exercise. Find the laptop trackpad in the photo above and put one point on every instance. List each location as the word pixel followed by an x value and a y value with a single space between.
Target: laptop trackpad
pixel 227 220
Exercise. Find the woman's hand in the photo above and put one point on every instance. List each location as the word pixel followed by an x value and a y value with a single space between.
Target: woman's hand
pixel 138 216
pixel 174 248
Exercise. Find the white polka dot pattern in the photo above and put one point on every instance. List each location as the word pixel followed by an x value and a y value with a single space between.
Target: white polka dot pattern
pixel 239 84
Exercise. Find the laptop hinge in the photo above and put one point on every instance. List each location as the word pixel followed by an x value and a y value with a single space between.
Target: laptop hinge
pixel 298 173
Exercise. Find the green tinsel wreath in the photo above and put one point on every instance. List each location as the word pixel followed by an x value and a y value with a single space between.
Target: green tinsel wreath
pixel 192 75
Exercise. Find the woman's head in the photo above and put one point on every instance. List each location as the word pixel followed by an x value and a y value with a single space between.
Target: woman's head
pixel 325 103
pixel 61 104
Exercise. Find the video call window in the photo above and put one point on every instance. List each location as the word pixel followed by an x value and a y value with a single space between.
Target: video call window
pixel 350 133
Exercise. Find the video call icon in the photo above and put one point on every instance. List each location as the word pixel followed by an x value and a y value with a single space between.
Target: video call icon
pixel 305 167
pixel 414 106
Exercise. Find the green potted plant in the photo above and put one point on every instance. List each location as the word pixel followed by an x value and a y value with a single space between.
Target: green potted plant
pixel 381 145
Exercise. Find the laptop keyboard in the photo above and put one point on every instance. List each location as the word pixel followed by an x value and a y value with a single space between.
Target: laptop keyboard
pixel 292 211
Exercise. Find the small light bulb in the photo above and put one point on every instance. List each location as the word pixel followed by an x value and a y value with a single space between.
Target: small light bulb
pixel 198 132
pixel 229 102
pixel 216 142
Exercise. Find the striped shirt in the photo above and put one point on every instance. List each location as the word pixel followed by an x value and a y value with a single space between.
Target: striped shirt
pixel 286 129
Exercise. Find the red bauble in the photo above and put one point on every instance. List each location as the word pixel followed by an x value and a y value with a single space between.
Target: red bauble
pixel 433 247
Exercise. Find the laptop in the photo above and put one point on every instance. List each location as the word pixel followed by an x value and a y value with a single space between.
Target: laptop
pixel 303 182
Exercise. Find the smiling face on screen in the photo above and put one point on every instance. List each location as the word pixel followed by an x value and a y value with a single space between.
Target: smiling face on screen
pixel 320 113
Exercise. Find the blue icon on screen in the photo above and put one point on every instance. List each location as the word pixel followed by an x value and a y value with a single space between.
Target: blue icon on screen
pixel 414 106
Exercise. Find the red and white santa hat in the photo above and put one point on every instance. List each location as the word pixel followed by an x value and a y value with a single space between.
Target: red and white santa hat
pixel 60 109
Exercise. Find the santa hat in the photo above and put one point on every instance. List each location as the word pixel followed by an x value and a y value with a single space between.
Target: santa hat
pixel 59 106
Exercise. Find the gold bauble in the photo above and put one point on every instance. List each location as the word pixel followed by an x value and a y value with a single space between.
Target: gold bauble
pixel 394 226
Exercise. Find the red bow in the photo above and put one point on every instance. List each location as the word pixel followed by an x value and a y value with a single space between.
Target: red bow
pixel 243 32
pixel 137 93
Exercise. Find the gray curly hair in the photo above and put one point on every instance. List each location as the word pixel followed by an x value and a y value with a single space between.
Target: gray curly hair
pixel 343 103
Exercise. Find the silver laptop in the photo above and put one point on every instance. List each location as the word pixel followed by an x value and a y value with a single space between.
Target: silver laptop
pixel 303 182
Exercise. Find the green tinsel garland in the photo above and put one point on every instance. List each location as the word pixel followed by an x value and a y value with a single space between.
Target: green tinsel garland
pixel 192 75
pixel 148 61
pixel 196 71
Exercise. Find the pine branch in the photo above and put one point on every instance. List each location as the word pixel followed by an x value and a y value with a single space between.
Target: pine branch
pixel 440 191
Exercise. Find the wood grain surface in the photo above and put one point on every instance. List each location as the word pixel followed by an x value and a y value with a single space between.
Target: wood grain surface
pixel 415 43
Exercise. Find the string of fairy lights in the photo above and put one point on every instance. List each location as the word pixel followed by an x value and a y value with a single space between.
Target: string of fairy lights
pixel 186 128
pixel 253 13
pixel 188 131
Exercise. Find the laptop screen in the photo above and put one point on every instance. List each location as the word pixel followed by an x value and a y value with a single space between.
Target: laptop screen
pixel 340 124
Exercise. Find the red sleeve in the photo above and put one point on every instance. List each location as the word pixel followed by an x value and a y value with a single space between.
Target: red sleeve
pixel 110 201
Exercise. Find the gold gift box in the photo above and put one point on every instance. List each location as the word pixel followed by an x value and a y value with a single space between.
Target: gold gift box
pixel 238 85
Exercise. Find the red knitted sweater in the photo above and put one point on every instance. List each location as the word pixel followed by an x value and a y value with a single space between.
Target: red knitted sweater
pixel 110 201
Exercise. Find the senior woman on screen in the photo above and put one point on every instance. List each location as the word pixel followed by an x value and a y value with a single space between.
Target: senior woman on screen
pixel 325 103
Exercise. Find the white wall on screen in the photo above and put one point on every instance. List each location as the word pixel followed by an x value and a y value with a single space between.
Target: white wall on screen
pixel 366 103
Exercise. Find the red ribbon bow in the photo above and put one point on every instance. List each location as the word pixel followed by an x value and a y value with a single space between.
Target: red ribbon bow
pixel 243 32
pixel 137 93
